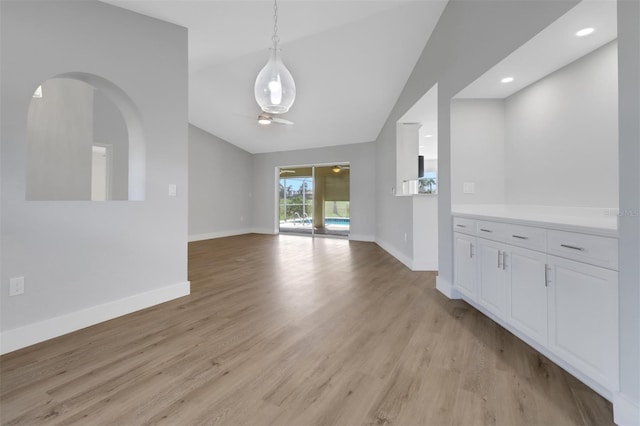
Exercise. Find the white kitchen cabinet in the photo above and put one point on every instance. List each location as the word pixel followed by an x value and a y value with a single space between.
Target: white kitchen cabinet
pixel 464 274
pixel 491 277
pixel 583 316
pixel 526 287
pixel 554 287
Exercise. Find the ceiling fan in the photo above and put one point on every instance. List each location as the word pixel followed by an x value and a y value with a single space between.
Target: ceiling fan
pixel 266 119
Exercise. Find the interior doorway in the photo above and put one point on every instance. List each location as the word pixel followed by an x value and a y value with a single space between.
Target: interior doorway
pixel 315 200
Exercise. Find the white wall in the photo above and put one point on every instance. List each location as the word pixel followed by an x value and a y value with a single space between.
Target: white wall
pixel 361 158
pixel 84 261
pixel 629 151
pixel 425 233
pixel 553 143
pixel 220 178
pixel 478 150
pixel 59 138
pixel 562 136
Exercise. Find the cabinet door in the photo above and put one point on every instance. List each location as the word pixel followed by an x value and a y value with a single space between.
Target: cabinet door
pixel 491 277
pixel 527 292
pixel 464 265
pixel 583 304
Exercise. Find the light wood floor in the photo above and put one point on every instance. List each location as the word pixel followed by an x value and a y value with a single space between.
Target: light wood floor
pixel 293 331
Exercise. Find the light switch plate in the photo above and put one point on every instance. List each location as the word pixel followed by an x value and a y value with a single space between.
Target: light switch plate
pixel 16 286
pixel 469 187
pixel 173 190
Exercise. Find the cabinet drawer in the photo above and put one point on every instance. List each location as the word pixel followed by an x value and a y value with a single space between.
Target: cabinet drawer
pixel 491 230
pixel 526 236
pixel 592 249
pixel 465 226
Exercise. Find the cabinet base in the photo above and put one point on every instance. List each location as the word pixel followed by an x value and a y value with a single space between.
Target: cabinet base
pixel 445 287
pixel 625 411
pixel 603 391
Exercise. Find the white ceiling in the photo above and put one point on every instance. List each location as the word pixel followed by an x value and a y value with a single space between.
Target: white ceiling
pixel 550 50
pixel 350 60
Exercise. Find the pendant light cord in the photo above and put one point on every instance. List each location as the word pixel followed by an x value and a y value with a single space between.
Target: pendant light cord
pixel 275 37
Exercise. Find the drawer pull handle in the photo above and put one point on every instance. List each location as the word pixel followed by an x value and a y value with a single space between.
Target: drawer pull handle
pixel 572 247
pixel 520 237
pixel 486 230
pixel 461 226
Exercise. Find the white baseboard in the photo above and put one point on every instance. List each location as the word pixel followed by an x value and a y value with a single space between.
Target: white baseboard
pixel 445 287
pixel 425 265
pixel 221 234
pixel 406 260
pixel 625 411
pixel 263 231
pixel 21 337
pixel 365 238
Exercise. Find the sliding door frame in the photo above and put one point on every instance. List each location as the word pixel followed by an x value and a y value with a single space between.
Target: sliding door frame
pixel 313 201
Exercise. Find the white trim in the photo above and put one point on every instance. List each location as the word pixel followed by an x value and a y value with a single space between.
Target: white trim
pixel 263 231
pixel 21 337
pixel 220 234
pixel 445 287
pixel 625 411
pixel 407 261
pixel 366 238
pixel 425 265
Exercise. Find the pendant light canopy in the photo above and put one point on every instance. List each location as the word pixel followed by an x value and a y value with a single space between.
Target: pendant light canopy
pixel 275 90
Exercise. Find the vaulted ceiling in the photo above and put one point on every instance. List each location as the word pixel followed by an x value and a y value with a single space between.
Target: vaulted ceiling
pixel 350 60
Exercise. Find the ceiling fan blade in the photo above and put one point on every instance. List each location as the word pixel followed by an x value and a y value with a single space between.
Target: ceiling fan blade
pixel 281 121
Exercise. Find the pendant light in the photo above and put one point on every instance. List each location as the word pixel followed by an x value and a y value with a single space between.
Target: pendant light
pixel 275 89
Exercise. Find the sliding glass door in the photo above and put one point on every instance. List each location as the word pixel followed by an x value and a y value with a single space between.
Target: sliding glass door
pixel 315 200
pixel 296 200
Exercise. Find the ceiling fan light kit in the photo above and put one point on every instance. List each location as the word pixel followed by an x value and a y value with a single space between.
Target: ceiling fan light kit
pixel 264 118
pixel 275 90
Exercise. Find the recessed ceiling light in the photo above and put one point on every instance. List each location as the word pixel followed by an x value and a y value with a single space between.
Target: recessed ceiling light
pixel 585 32
pixel 428 136
pixel 507 80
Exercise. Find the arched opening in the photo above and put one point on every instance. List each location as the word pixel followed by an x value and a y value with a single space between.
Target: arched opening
pixel 85 141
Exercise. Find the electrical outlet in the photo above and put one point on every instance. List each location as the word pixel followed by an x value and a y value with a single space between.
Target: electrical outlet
pixel 16 286
pixel 173 190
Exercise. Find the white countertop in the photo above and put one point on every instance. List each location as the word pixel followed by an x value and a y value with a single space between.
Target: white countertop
pixel 588 219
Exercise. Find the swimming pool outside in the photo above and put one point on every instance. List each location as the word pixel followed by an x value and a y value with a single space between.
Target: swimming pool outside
pixel 337 221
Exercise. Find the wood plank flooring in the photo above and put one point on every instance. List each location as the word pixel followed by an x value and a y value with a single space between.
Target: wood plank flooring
pixel 286 330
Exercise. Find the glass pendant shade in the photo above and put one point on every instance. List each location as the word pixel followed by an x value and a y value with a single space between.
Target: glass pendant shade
pixel 275 90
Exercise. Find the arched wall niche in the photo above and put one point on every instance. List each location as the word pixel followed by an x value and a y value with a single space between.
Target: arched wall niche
pixel 85 141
